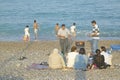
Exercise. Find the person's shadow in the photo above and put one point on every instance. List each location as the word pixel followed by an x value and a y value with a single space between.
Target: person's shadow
pixel 80 75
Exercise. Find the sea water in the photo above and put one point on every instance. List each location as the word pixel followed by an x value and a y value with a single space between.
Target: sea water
pixel 16 14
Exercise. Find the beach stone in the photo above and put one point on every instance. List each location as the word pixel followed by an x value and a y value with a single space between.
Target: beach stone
pixel 18 64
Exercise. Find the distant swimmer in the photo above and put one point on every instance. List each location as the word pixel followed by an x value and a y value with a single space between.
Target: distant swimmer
pixel 73 30
pixel 35 26
pixel 56 28
pixel 27 34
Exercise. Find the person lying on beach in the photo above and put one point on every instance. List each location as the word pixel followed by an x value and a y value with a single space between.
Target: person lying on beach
pixel 55 60
pixel 71 57
pixel 81 60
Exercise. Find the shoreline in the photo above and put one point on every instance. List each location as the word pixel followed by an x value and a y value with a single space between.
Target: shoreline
pixel 56 39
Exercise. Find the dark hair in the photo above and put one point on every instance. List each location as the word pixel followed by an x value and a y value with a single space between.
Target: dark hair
pixel 103 48
pixel 27 26
pixel 98 51
pixel 82 51
pixel 74 24
pixel 57 23
pixel 73 48
pixel 63 25
pixel 34 20
pixel 93 21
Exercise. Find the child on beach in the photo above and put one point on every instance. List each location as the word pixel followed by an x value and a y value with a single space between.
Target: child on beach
pixel 27 34
pixel 73 30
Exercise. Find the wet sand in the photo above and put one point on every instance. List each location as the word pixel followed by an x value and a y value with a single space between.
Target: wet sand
pixel 11 68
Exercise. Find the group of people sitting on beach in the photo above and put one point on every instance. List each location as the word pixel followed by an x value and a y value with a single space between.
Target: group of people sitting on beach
pixel 79 60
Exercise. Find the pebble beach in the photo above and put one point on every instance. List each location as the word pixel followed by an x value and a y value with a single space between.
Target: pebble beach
pixel 12 68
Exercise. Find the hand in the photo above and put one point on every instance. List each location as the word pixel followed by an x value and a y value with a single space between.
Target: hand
pixel 62 36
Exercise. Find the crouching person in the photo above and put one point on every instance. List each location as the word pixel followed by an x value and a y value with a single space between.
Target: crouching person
pixel 55 60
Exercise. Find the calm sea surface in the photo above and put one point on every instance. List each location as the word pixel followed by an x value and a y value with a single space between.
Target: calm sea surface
pixel 16 14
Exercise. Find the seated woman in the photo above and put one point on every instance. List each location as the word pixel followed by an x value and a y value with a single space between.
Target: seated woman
pixel 56 60
pixel 108 57
pixel 71 57
pixel 98 60
pixel 81 60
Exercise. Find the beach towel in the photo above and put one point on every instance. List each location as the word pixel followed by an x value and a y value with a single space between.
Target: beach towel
pixel 115 47
pixel 37 66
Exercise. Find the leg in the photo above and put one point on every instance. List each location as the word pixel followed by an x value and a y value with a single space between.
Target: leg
pixel 94 45
pixel 36 34
pixel 68 45
pixel 62 45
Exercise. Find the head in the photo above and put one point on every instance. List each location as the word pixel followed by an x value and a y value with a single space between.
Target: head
pixel 93 23
pixel 82 51
pixel 98 52
pixel 63 26
pixel 73 49
pixel 57 24
pixel 74 24
pixel 34 21
pixel 103 48
pixel 56 51
pixel 27 26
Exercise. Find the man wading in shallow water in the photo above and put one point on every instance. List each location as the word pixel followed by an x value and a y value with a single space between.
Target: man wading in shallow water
pixel 64 35
pixel 35 26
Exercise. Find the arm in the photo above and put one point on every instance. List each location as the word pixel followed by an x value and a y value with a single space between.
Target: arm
pixel 69 34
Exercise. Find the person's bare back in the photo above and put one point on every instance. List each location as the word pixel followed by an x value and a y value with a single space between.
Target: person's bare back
pixel 57 28
pixel 35 25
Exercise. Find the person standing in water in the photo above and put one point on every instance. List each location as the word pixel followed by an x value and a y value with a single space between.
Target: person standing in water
pixel 27 34
pixel 35 26
pixel 56 28
pixel 95 36
pixel 73 30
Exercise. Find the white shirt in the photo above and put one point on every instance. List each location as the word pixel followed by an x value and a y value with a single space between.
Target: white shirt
pixel 71 59
pixel 64 32
pixel 27 31
pixel 108 57
pixel 72 29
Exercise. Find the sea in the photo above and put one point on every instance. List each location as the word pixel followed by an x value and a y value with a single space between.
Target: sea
pixel 16 14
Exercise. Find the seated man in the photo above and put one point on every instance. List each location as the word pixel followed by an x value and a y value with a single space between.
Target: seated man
pixel 71 57
pixel 56 60
pixel 108 57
